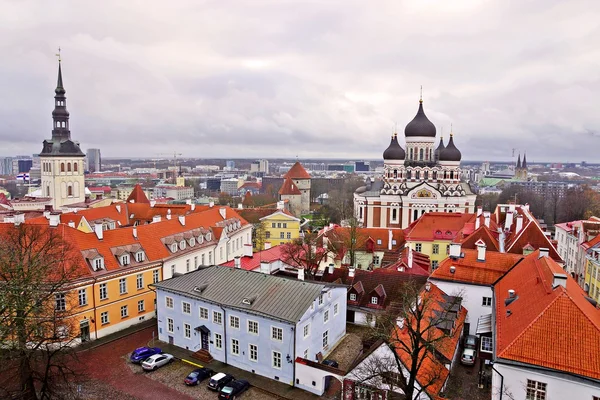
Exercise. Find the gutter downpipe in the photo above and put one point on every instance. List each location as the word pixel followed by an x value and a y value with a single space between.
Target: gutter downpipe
pixel 94 305
pixel 294 359
pixel 501 380
pixel 224 332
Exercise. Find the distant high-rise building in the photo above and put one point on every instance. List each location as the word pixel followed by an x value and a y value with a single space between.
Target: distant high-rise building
pixel 94 160
pixel 263 166
pixel 361 166
pixel 6 166
pixel 229 165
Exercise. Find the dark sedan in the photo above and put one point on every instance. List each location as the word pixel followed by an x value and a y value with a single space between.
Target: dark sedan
pixel 233 389
pixel 142 353
pixel 198 375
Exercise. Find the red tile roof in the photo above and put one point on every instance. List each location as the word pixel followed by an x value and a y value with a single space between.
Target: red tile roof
pixel 368 239
pixel 420 262
pixel 297 172
pixel 289 188
pixel 470 270
pixel 531 234
pixel 489 237
pixel 137 195
pixel 437 226
pixel 544 320
pixel 251 263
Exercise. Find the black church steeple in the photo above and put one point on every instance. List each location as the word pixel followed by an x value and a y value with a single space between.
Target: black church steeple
pixel 60 115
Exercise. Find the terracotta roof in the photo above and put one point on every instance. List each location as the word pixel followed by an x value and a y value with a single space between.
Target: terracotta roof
pixel 251 263
pixel 533 235
pixel 297 172
pixel 545 320
pixel 489 237
pixel 420 263
pixel 470 270
pixel 437 226
pixel 137 195
pixel 4 200
pixel 368 239
pixel 289 188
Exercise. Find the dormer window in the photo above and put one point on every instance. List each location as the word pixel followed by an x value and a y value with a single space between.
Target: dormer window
pixel 208 236
pixel 174 247
pixel 200 239
pixel 192 241
pixel 124 259
pixel 98 263
pixel 182 245
pixel 139 256
pixel 374 300
pixel 352 296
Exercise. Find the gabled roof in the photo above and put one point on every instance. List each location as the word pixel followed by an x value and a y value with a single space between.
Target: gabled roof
pixel 437 226
pixel 297 172
pixel 271 296
pixel 531 234
pixel 137 195
pixel 289 188
pixel 489 237
pixel 379 237
pixel 420 262
pixel 546 319
pixel 469 270
pixel 252 263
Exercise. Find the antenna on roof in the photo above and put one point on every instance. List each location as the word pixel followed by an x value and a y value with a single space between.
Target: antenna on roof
pixel 58 55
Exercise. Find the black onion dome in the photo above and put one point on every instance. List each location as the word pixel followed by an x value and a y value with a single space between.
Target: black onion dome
pixel 450 153
pixel 420 125
pixel 440 148
pixel 394 150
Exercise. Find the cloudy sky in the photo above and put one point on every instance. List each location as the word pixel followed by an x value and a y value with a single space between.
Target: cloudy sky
pixel 326 78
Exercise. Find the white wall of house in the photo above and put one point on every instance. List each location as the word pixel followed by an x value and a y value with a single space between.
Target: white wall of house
pixel 472 299
pixel 558 386
pixel 362 318
pixel 306 375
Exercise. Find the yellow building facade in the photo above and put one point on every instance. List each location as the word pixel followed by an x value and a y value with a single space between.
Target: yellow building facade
pixel 437 250
pixel 280 227
pixel 592 273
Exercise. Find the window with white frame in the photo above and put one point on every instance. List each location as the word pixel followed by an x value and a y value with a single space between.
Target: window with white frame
pixel 169 302
pixel 374 299
pixel 235 347
pixel 60 302
pixel 98 263
pixel 140 305
pixel 172 269
pixel 434 264
pixel 486 344
pixel 182 244
pixel 276 333
pixel 253 327
pixel 123 285
pixel 202 259
pixel 326 316
pixel 203 313
pixel 418 247
pixel 305 355
pixel 320 299
pixel 352 296
pixel 435 249
pixel 125 259
pixel 306 330
pixel 186 307
pixel 218 341
pixel 336 308
pixel 234 322
pixel 486 301
pixel 104 317
pixel 187 265
pixel 174 247
pixel 196 262
pixel 124 311
pixel 325 339
pixel 170 325
pixel 277 360
pixel 139 256
pixel 253 352
pixel 535 390
pixel 155 276
pixel 103 291
pixel 217 317
pixel 82 297
pixel 139 281
pixel 187 331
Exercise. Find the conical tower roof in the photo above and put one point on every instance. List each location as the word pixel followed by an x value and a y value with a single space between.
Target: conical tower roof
pixel 289 187
pixel 137 195
pixel 297 172
pixel 524 161
pixel 519 161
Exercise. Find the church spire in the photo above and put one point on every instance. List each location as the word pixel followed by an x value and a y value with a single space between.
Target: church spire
pixel 524 161
pixel 60 115
pixel 519 161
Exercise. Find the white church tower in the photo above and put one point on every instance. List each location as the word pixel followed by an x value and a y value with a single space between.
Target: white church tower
pixel 61 158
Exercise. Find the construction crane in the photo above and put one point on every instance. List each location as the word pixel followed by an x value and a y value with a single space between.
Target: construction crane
pixel 174 154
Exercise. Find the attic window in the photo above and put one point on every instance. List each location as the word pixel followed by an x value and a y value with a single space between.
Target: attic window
pixel 182 244
pixel 239 224
pixel 208 236
pixel 139 256
pixel 374 300
pixel 125 260
pixel 246 301
pixel 174 247
pixel 200 239
pixel 98 263
pixel 378 241
pixel 192 241
pixel 352 296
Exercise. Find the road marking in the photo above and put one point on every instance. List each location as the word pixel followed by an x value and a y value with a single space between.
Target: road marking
pixel 192 363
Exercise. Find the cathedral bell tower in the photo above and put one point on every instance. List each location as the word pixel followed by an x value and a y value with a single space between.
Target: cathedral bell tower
pixel 61 158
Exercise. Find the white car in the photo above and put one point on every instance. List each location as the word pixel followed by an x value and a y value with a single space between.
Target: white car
pixel 156 361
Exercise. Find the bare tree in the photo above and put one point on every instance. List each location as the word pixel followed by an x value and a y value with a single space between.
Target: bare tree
pixel 305 253
pixel 259 235
pixel 348 240
pixel 419 331
pixel 36 306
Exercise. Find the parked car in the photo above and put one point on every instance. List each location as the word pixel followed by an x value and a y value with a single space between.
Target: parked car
pixel 470 342
pixel 468 356
pixel 141 353
pixel 198 375
pixel 218 381
pixel 233 389
pixel 156 361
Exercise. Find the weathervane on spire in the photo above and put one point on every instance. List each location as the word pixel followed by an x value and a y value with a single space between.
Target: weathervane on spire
pixel 421 95
pixel 58 55
pixel 451 132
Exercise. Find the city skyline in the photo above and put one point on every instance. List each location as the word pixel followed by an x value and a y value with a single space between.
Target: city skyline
pixel 326 82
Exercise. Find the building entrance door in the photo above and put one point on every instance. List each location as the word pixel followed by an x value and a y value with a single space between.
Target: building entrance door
pixel 204 340
pixel 84 330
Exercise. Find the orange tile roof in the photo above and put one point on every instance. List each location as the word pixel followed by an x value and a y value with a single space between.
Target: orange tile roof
pixel 470 270
pixel 545 321
pixel 251 263
pixel 484 233
pixel 289 187
pixel 373 239
pixel 297 172
pixel 437 226
pixel 531 234
pixel 137 195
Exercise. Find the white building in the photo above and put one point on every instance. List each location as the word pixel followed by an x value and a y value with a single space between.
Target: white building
pixel 571 238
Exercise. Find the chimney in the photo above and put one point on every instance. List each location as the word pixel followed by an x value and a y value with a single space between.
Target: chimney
pixel 501 238
pixel 98 231
pixel 400 322
pixel 512 207
pixel 264 267
pixel 477 222
pixel 479 211
pixel 428 286
pixel 509 220
pixel 240 206
pixel 544 251
pixel 169 215
pixel 280 205
pixel 237 262
pixel 188 202
pixel 46 214
pixel 211 204
pixel 152 203
pixel 193 206
pixel 247 250
pixel 72 224
pixel 301 274
pixel 330 268
pixel 559 280
pixel 223 212
pixel 267 245
pixel 519 224
pixel 118 207
pixel 156 218
pixel 54 219
pixel 486 218
pixel 19 219
pixel 182 220
pixel 410 258
pixel 511 293
pixel 390 236
pixel 452 269
pixel 481 252
pixel 134 232
pixel 351 272
pixel 455 250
